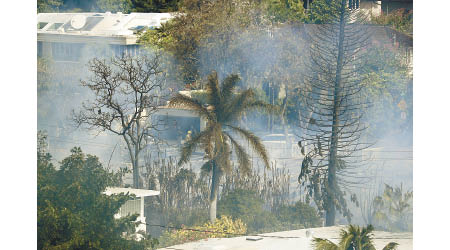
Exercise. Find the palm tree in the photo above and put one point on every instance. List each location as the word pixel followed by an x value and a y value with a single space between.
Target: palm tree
pixel 354 238
pixel 224 110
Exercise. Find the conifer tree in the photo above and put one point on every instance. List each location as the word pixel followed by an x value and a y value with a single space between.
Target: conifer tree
pixel 333 121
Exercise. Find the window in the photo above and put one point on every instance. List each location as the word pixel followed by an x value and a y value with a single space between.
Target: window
pixel 70 52
pixel 39 49
pixel 130 207
pixel 41 25
pixel 130 50
pixel 353 4
pixel 55 26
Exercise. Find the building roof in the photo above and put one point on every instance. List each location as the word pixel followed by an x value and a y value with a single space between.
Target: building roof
pixel 295 239
pixel 137 192
pixel 98 24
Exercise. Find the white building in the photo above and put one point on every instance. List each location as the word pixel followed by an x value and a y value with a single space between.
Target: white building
pixel 63 36
pixel 135 206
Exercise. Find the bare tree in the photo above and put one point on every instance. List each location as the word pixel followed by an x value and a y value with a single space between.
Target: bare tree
pixel 333 121
pixel 127 92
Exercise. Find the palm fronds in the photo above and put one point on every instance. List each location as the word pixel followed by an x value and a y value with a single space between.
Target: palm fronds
pixel 243 158
pixel 391 246
pixel 228 86
pixel 214 96
pixel 183 101
pixel 254 141
pixel 352 238
pixel 190 145
pixel 324 244
pixel 237 105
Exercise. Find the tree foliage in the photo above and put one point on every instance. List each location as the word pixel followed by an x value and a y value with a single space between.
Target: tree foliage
pixel 72 211
pixel 401 20
pixel 155 5
pixel 324 11
pixel 389 83
pixel 124 6
pixel 48 5
pixel 282 11
pixel 202 38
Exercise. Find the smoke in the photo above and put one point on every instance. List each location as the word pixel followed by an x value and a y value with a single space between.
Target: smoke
pixel 274 59
pixel 272 62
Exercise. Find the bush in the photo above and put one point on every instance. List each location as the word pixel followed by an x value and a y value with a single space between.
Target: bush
pixel 299 214
pixel 239 203
pixel 222 228
pixel 72 211
pixel 400 20
pixel 245 205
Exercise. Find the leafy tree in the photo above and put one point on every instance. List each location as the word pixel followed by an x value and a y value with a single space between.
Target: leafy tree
pixel 323 11
pixel 155 5
pixel 124 6
pixel 333 125
pixel 202 39
pixel 224 110
pixel 400 20
pixel 354 238
pixel 114 5
pixel 245 205
pixel 127 92
pixel 300 213
pixel 79 5
pixel 48 5
pixel 281 11
pixel 388 83
pixel 72 212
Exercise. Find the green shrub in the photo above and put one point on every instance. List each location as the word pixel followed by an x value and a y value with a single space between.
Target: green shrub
pixel 245 205
pixel 400 20
pixel 73 212
pixel 299 214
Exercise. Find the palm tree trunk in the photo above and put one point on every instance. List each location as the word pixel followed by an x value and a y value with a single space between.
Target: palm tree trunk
pixel 214 192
